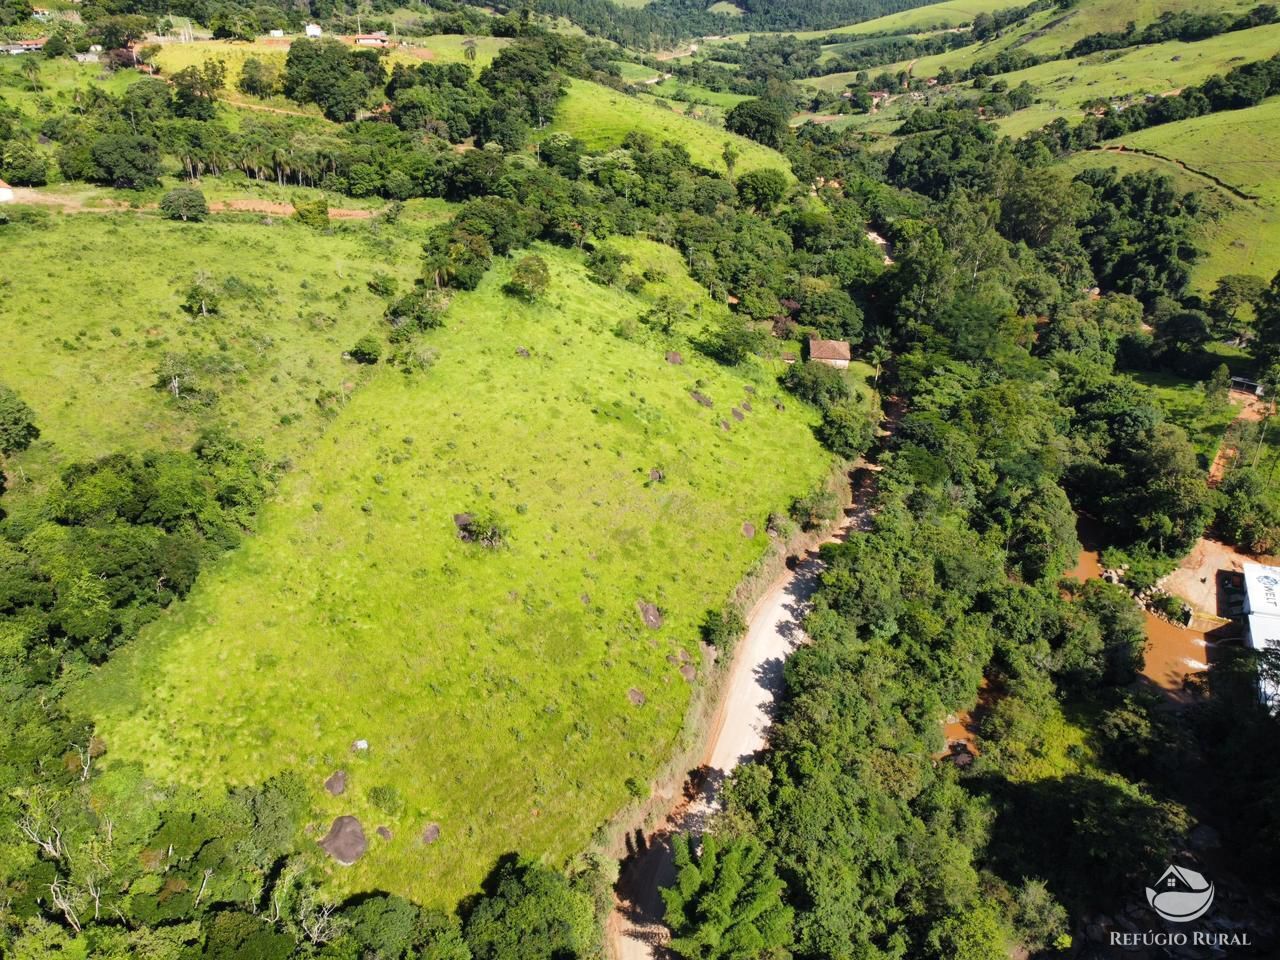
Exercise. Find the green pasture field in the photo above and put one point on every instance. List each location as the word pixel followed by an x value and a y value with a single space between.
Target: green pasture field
pixel 1053 31
pixel 1065 84
pixel 635 72
pixel 91 305
pixel 442 48
pixel 1238 235
pixel 499 691
pixel 680 91
pixel 601 118
pixel 1184 402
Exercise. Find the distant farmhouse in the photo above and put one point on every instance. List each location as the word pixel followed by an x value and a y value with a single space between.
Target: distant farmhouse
pixel 6 193
pixel 18 47
pixel 834 353
pixel 313 30
pixel 378 39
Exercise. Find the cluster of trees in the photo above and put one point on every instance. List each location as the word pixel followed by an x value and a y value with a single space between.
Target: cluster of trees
pixel 1184 25
pixel 123 141
pixel 663 23
pixel 849 824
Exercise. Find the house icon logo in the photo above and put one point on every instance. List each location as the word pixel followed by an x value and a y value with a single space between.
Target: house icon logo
pixel 1181 895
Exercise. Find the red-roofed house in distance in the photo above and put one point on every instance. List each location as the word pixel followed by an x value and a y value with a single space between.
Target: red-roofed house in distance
pixel 834 353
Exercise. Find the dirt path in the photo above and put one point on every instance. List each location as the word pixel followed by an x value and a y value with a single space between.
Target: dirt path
pixel 79 203
pixel 1205 175
pixel 738 733
pixel 263 108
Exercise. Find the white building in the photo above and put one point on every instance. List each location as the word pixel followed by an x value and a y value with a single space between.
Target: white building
pixel 6 193
pixel 313 30
pixel 1262 607
pixel 275 33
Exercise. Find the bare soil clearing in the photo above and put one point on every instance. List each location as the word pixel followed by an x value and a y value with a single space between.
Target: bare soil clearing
pixel 80 203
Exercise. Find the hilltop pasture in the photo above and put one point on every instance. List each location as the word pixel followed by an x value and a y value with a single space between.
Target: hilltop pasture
pixel 1239 234
pixel 601 118
pixel 88 335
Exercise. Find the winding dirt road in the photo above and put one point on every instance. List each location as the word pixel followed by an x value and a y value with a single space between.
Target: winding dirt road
pixel 80 203
pixel 737 734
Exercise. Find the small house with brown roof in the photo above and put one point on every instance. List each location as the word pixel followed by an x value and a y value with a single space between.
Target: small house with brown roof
pixel 834 353
pixel 6 193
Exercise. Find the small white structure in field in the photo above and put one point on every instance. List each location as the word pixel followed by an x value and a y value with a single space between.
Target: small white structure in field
pixel 313 30
pixel 6 193
pixel 275 33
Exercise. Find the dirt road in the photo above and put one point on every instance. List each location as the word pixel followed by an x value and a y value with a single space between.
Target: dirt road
pixel 91 202
pixel 737 734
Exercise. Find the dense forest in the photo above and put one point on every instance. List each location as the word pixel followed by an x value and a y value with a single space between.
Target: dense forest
pixel 1019 303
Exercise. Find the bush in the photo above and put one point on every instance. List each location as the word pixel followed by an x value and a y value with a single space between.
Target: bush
pixel 529 279
pixel 722 629
pixel 604 264
pixel 312 213
pixel 816 383
pixel 368 349
pixel 17 422
pixel 812 511
pixel 846 430
pixel 483 527
pixel 184 203
pixel 422 308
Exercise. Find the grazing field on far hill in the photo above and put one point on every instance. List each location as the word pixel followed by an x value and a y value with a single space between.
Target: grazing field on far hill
pixel 88 331
pixel 1063 85
pixel 443 48
pixel 601 118
pixel 934 16
pixel 506 695
pixel 1240 148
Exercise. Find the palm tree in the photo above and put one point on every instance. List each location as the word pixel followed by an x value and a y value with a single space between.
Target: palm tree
pixel 469 49
pixel 878 355
pixel 31 70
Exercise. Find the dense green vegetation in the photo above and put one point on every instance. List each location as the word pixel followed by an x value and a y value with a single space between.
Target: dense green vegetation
pixel 451 497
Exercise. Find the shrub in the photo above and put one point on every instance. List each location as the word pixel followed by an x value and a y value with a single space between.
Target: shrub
pixel 382 285
pixel 483 527
pixel 846 430
pixel 422 308
pixel 722 629
pixel 816 383
pixel 529 279
pixel 605 263
pixel 184 203
pixel 312 213
pixel 368 349
pixel 17 422
pixel 812 511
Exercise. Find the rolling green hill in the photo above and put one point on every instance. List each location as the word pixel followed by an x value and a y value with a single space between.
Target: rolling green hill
pixel 1240 234
pixel 601 118
pixel 506 695
pixel 87 336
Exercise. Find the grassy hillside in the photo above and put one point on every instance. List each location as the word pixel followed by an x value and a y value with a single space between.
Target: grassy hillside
pixel 933 16
pixel 498 690
pixel 88 332
pixel 1240 234
pixel 445 48
pixel 601 118
pixel 1064 84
